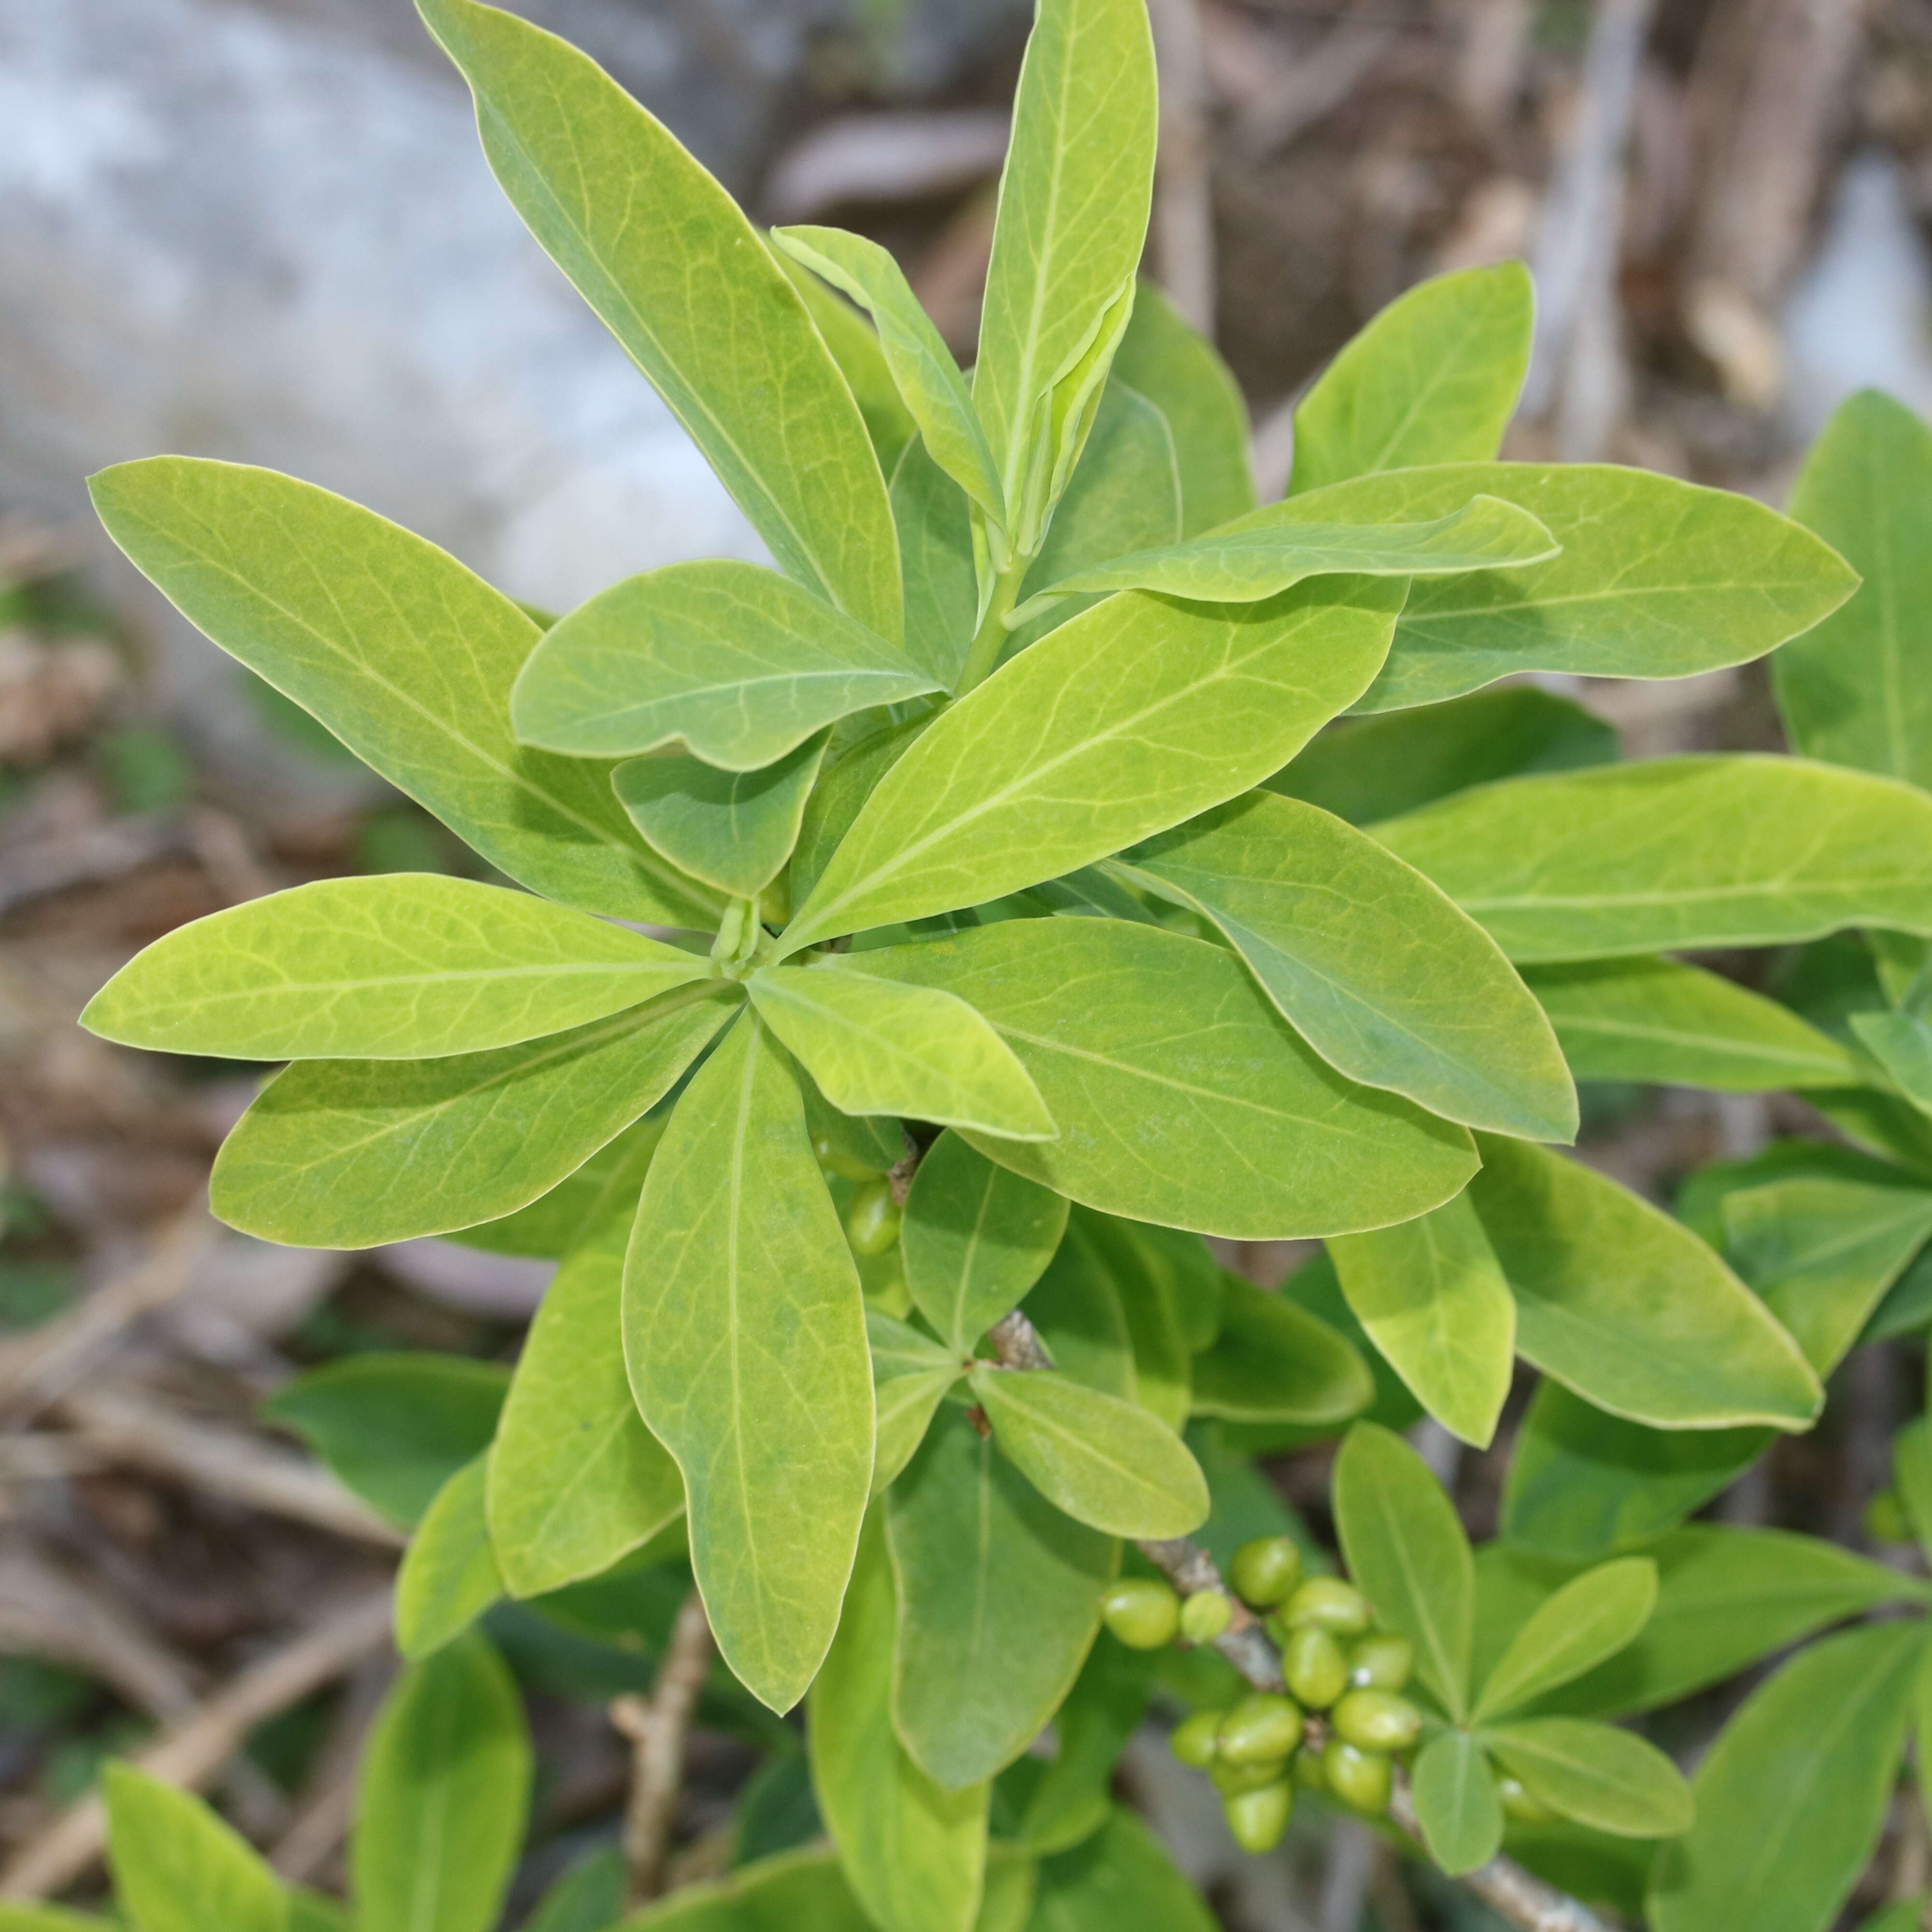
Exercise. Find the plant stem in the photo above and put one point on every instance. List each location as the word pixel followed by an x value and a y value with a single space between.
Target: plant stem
pixel 657 1730
pixel 991 639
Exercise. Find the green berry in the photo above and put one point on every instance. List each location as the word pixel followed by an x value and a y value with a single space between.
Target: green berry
pixel 1377 1720
pixel 1331 1603
pixel 1204 1615
pixel 1264 1571
pixel 1313 1665
pixel 1142 1613
pixel 842 1164
pixel 1305 1768
pixel 1518 1804
pixel 1231 1780
pixel 1192 1740
pixel 1885 1520
pixel 1263 1726
pixel 872 1221
pixel 1258 1818
pixel 1382 1662
pixel 1361 1779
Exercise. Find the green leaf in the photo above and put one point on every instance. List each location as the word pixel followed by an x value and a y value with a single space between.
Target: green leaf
pixel 1432 1295
pixel 975 1238
pixel 795 1889
pixel 1382 975
pixel 921 366
pixel 1405 1546
pixel 179 1868
pixel 407 966
pixel 1367 768
pixel 395 1428
pixel 1273 1361
pixel 910 1376
pixel 1077 1308
pixel 1912 1475
pixel 554 1223
pixel 1071 1796
pixel 1660 1020
pixel 1151 1287
pixel 589 1897
pixel 1119 1880
pixel 875 1046
pixel 1263 553
pixel 1599 1776
pixel 1074 197
pixel 852 772
pixel 1433 378
pixel 1791 1798
pixel 1456 1802
pixel 444 1796
pixel 942 585
pixel 979 1553
pixel 403 653
pixel 1179 372
pixel 711 319
pixel 449 1575
pixel 744 1334
pixel 1627 1307
pixel 1590 1617
pixel 1902 1044
pixel 1239 1129
pixel 1104 1462
pixel 1133 716
pixel 1677 853
pixel 913 1851
pixel 740 665
pixel 734 830
pixel 854 344
pixel 1856 691
pixel 18 1916
pixel 1657 578
pixel 576 1480
pixel 346 1153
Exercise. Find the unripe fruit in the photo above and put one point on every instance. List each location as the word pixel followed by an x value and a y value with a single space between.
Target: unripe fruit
pixel 1142 1613
pixel 842 1164
pixel 1204 1615
pixel 1330 1602
pixel 1305 1768
pixel 1518 1804
pixel 1258 1818
pixel 1382 1662
pixel 1231 1780
pixel 1377 1720
pixel 1265 1571
pixel 1192 1740
pixel 872 1221
pixel 1362 1779
pixel 1885 1520
pixel 1263 1725
pixel 1312 1663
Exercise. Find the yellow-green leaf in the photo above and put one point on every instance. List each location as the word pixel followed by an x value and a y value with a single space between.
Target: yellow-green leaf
pixel 178 1868
pixel 1598 1775
pixel 449 1575
pixel 1590 1617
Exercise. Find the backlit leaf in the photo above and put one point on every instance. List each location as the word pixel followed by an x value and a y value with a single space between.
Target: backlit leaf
pixel 910 1374
pixel 942 589
pixel 553 1223
pixel 1589 1618
pixel 178 1868
pixel 449 1577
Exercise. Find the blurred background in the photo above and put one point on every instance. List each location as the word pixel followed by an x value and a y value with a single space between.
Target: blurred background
pixel 262 230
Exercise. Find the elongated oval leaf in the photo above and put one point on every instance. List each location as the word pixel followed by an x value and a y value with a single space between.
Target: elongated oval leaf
pixel 1241 564
pixel 1405 1547
pixel 178 1868
pixel 1901 1043
pixel 554 1223
pixel 403 653
pixel 1628 1308
pixel 1661 1020
pixel 913 1851
pixel 1600 1777
pixel 1121 1879
pixel 1588 1619
pixel 449 1577
pixel 1432 1295
pixel 1136 715
pixel 1151 1286
pixel 1656 578
pixel 444 1793
pixel 942 587
pixel 576 1480
pixel 1677 853
pixel 1857 690
pixel 1239 1129
pixel 975 1238
pixel 911 1374
pixel 854 344
pixel 739 663
pixel 745 1338
pixel 405 967
pixel 344 1153
pixel 1271 1360
pixel 1456 1802
pixel 979 1553
pixel 875 1046
pixel 1433 378
pixel 1104 1462
pixel 661 253
pixel 1383 977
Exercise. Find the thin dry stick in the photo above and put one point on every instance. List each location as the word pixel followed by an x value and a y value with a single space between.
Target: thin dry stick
pixel 1183 211
pixel 1502 1884
pixel 657 1730
pixel 190 1752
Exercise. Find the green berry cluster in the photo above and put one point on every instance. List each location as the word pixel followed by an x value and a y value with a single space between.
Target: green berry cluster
pixel 1337 1725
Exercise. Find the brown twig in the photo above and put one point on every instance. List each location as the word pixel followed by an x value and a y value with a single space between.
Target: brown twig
pixel 189 1752
pixel 657 1729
